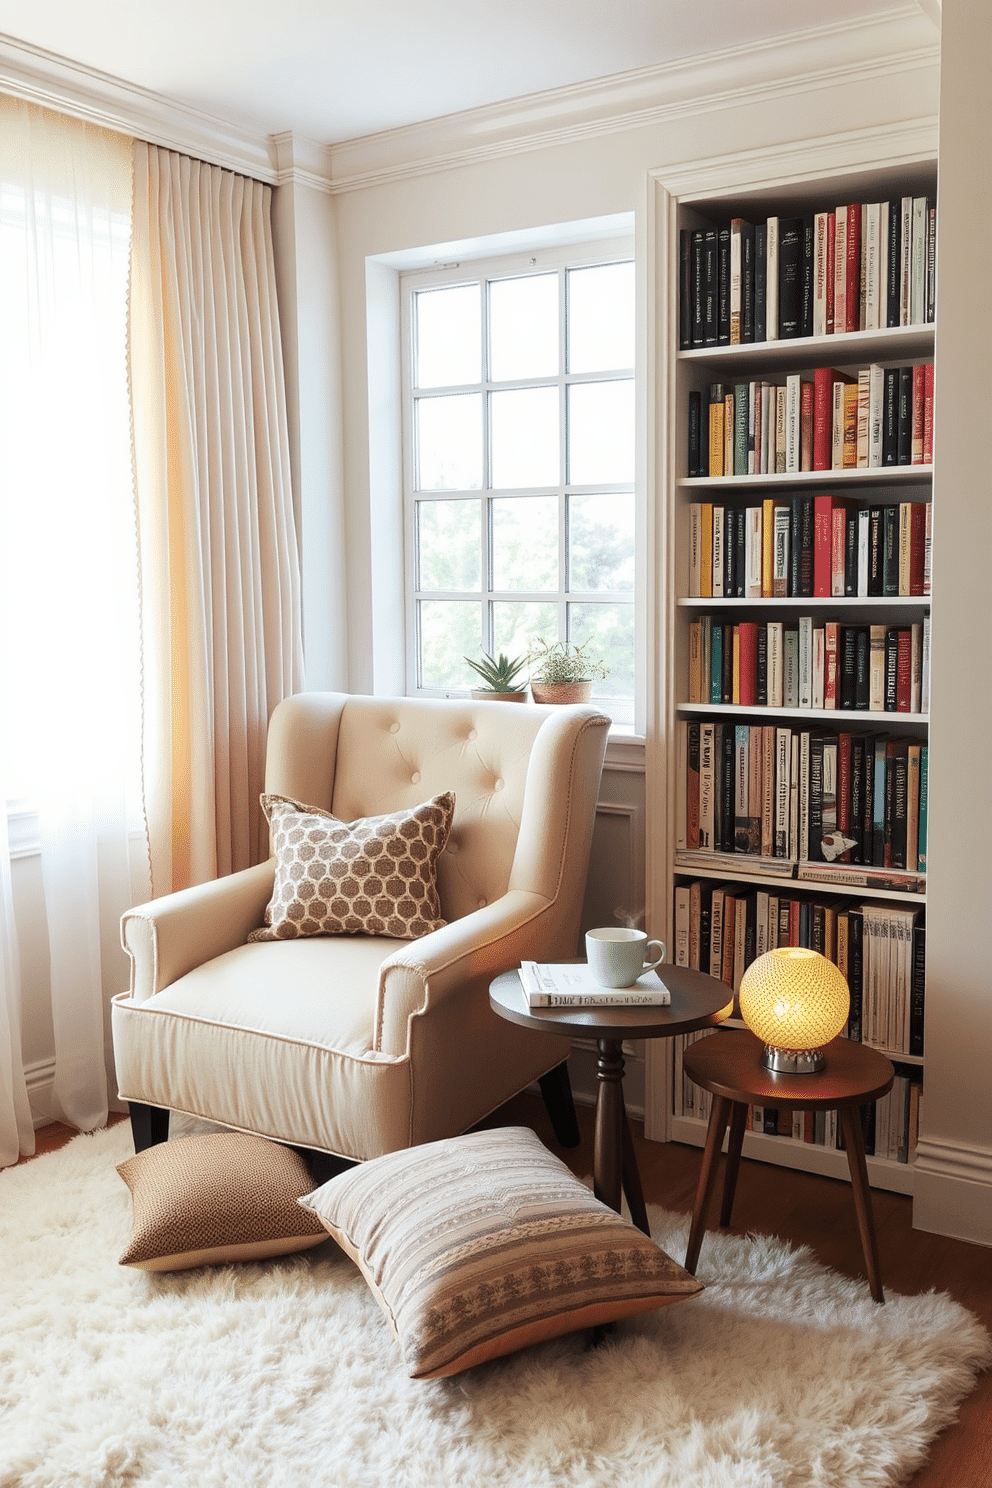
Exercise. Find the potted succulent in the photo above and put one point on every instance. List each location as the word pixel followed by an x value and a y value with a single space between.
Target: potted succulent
pixel 500 678
pixel 563 672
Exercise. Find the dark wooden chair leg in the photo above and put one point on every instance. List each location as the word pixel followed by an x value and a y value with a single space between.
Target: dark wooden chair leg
pixel 556 1091
pixel 324 1165
pixel 149 1125
pixel 719 1116
pixel 738 1123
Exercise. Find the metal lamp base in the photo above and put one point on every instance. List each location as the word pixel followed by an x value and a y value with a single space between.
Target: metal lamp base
pixel 793 1061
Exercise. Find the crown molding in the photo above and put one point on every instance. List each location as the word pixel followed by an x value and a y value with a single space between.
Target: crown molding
pixel 907 142
pixel 902 41
pixel 301 161
pixel 97 98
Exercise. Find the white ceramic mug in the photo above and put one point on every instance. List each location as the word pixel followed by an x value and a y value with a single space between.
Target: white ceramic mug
pixel 618 957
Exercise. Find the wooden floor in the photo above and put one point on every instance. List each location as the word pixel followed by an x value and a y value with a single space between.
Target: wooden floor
pixel 806 1210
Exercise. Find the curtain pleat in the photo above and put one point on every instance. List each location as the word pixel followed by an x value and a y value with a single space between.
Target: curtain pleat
pixel 221 602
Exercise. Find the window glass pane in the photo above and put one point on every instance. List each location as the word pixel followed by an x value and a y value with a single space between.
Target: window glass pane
pixel 449 443
pixel 601 542
pixel 448 544
pixel 448 336
pixel 601 318
pixel 601 433
pixel 524 437
pixel 525 542
pixel 610 629
pixel 450 630
pixel 516 626
pixel 523 327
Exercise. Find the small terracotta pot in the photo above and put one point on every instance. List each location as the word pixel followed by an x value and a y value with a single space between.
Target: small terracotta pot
pixel 561 692
pixel 482 694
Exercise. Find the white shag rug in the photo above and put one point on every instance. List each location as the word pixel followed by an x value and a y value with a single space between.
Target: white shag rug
pixel 285 1375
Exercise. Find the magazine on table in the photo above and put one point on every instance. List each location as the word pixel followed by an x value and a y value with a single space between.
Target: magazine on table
pixel 572 984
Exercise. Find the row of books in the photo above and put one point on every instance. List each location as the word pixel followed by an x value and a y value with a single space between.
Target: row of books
pixel 890 1126
pixel 801 797
pixel 809 547
pixel 880 949
pixel 831 420
pixel 812 663
pixel 861 266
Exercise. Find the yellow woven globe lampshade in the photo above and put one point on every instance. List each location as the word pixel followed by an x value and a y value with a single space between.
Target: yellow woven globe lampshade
pixel 795 1001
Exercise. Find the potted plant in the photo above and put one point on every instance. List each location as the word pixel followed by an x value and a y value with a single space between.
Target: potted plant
pixel 563 672
pixel 500 677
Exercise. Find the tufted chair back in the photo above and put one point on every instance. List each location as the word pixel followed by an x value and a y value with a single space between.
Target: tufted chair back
pixel 363 756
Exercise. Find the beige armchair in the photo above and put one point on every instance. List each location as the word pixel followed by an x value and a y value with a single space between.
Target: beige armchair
pixel 353 1045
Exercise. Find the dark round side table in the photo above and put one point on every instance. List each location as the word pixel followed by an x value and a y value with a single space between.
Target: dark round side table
pixel 697 1001
pixel 729 1066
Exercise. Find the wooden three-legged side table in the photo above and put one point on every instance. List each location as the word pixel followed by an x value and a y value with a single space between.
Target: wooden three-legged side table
pixel 728 1064
pixel 697 1001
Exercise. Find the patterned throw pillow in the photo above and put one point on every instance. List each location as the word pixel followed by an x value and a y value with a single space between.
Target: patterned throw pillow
pixel 479 1245
pixel 374 876
pixel 209 1200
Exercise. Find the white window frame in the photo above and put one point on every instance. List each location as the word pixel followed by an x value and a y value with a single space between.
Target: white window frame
pixel 558 259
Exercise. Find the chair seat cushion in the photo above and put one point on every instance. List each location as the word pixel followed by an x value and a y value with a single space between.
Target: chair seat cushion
pixel 276 1038
pixel 482 1244
pixel 374 876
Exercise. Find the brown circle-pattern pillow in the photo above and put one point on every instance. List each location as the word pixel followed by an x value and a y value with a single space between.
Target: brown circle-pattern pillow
pixel 374 876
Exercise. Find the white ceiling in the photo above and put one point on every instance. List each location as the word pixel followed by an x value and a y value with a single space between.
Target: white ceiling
pixel 337 69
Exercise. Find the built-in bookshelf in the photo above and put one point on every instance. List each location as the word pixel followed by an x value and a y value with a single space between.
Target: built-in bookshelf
pixel 797 703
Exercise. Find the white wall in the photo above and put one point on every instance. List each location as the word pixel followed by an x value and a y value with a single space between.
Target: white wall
pixel 954 1169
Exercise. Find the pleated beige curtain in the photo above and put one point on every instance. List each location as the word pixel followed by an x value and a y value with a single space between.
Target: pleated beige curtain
pixel 221 611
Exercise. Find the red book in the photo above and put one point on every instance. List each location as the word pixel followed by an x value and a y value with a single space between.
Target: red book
pixel 917 546
pixel 838 540
pixel 852 288
pixel 928 414
pixel 806 426
pixel 823 417
pixel 919 376
pixel 823 542
pixel 844 791
pixel 831 645
pixel 793 922
pixel 747 639
pixel 831 240
pixel 904 671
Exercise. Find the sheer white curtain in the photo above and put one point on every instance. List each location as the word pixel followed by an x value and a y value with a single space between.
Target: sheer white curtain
pixel 221 585
pixel 69 653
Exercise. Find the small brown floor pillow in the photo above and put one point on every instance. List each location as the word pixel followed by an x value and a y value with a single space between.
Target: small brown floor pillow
pixel 481 1244
pixel 222 1197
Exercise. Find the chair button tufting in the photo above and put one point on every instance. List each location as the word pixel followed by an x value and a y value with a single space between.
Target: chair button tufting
pixel 415 777
pixel 472 734
pixel 497 784
pixel 483 903
pixel 394 728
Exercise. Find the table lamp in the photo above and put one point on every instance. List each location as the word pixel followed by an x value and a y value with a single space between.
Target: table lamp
pixel 795 1001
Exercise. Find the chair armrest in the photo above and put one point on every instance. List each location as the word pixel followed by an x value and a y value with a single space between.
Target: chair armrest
pixel 168 937
pixel 460 959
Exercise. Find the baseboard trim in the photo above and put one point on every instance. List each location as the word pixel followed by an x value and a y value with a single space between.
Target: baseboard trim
pixel 953 1190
